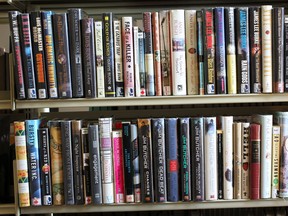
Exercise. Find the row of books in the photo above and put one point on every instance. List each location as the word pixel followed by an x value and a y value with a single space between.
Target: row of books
pixel 151 160
pixel 175 52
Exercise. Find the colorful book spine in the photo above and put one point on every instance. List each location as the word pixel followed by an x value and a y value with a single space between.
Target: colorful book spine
pixel 62 55
pixel 32 127
pixel 99 59
pixel 136 61
pixel 105 129
pixel 142 70
pixel 178 55
pixel 266 32
pixel 146 163
pixel 88 50
pixel 128 57
pixel 255 49
pixel 231 50
pixel 220 163
pixel 38 54
pixel 243 51
pixel 237 160
pixel 21 163
pixel 200 48
pixel 191 53
pixel 286 52
pixel 109 66
pixel 158 140
pixel 118 58
pixel 45 165
pixel 49 48
pixel 275 160
pixel 27 55
pixel 220 58
pixel 17 60
pixel 246 152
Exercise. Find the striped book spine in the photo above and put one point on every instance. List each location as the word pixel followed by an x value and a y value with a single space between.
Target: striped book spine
pixel 246 152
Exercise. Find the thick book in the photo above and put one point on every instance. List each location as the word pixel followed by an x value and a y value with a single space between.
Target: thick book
pixel 220 163
pixel 27 55
pixel 146 163
pixel 49 47
pixel 109 66
pixel 243 50
pixel 200 49
pixel 158 140
pixel 32 127
pixel 141 63
pixel 286 52
pixel 275 160
pixel 62 54
pixel 237 160
pixel 17 60
pixel 66 133
pixel 246 152
pixel 88 54
pixel 38 54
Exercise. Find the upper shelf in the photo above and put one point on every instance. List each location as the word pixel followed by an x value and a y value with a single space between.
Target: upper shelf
pixel 152 101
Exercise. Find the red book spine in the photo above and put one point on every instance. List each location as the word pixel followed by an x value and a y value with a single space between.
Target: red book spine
pixel 255 161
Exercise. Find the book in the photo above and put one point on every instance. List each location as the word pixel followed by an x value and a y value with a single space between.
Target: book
pixel 136 61
pixel 246 152
pixel 220 163
pixel 275 160
pixel 141 57
pixel 200 48
pixel 237 160
pixel 38 54
pixel 62 54
pixel 27 55
pixel 178 55
pixel 286 52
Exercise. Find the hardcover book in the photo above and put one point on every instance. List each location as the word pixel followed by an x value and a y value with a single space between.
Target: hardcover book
pixel 200 48
pixel 246 152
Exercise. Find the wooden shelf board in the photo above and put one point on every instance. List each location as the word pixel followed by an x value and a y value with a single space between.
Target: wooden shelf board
pixel 7 209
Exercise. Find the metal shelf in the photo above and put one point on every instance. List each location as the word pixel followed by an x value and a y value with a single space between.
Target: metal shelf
pixel 7 209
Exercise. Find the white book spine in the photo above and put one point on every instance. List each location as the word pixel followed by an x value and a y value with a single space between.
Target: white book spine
pixel 266 13
pixel 191 53
pixel 99 59
pixel 245 160
pixel 178 55
pixel 136 61
pixel 237 169
pixel 275 161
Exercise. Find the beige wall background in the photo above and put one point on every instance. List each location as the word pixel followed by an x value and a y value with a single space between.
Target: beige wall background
pixel 4 35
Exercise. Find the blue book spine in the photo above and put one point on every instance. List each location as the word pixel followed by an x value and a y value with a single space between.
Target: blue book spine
pixel 32 127
pixel 172 159
pixel 199 15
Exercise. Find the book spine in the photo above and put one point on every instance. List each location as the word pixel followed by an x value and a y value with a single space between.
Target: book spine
pixel 231 50
pixel 38 54
pixel 118 58
pixel 142 70
pixel 128 57
pixel 146 164
pixel 118 167
pixel 149 62
pixel 243 54
pixel 220 163
pixel 255 49
pixel 275 160
pixel 45 165
pixel 56 163
pixel 33 161
pixel 95 164
pixel 17 60
pixel 237 161
pixel 27 55
pixel 200 48
pixel 185 158
pixel 49 48
pixel 220 58
pixel 99 59
pixel 165 54
pixel 171 146
pixel 278 50
pixel 136 61
pixel 210 148
pixel 158 140
pixel 255 141
pixel 191 53
pixel 67 162
pixel 88 53
pixel 178 55
pixel 157 54
pixel 22 164
pixel 62 55
pixel 74 17
pixel 266 30
pixel 108 42
pixel 286 52
pixel 245 160
pixel 105 126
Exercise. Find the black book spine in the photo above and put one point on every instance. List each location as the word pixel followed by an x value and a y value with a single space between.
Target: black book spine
pixel 159 159
pixel 220 163
pixel 88 55
pixel 67 162
pixel 27 55
pixel 45 164
pixel 74 17
pixel 109 66
pixel 61 40
pixel 95 166
pixel 243 52
pixel 286 52
pixel 38 54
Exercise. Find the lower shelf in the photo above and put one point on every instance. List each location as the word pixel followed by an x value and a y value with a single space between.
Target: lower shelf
pixel 156 206
pixel 7 209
